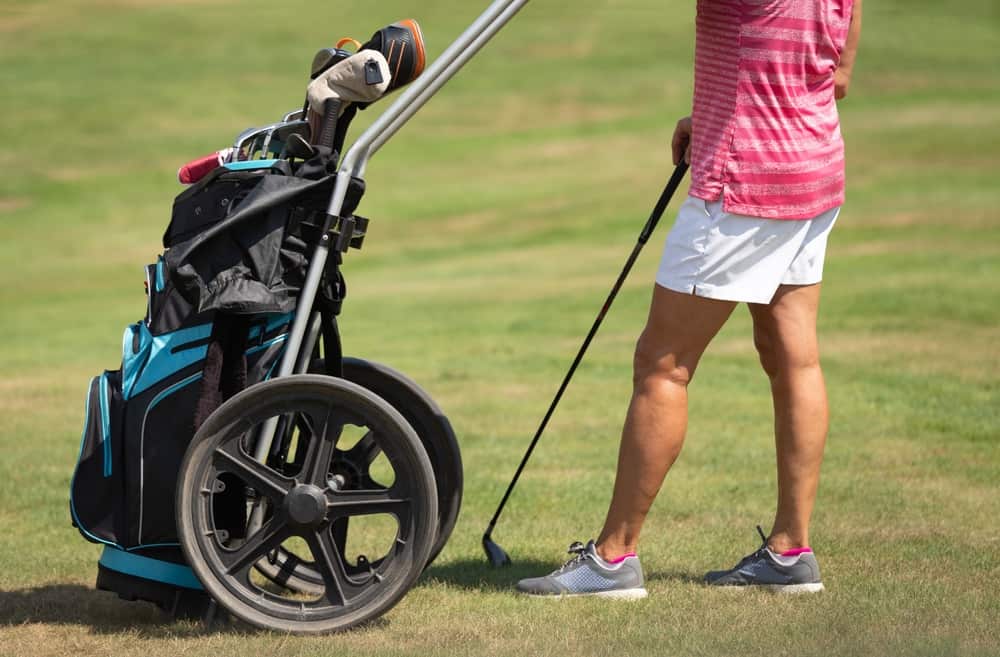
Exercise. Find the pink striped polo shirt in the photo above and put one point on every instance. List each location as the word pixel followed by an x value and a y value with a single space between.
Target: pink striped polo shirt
pixel 766 134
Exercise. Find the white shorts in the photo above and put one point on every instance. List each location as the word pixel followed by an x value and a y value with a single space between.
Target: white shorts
pixel 712 253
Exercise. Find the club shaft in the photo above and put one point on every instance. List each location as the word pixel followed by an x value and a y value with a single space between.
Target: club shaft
pixel 654 218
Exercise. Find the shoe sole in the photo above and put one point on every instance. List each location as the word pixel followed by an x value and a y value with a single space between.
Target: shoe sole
pixel 791 589
pixel 620 594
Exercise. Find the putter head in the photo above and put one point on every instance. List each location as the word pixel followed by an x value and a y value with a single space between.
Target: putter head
pixel 494 553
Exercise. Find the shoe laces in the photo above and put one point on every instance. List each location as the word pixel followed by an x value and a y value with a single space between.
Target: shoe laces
pixel 758 553
pixel 579 550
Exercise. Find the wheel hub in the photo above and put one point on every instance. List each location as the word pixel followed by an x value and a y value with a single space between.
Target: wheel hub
pixel 306 506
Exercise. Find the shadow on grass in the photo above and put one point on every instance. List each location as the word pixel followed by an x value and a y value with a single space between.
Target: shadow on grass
pixel 73 604
pixel 477 575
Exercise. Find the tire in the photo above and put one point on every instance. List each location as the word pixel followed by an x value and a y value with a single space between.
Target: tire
pixel 304 505
pixel 438 439
pixel 432 427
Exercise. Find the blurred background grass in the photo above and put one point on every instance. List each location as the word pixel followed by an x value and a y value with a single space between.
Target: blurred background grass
pixel 501 216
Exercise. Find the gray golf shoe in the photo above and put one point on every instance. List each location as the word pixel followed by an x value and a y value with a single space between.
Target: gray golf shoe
pixel 588 574
pixel 788 573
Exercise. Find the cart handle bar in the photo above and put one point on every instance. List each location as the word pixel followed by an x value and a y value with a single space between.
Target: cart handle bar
pixel 355 161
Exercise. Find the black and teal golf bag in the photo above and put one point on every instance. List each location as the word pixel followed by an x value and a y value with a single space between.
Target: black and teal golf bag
pixel 219 305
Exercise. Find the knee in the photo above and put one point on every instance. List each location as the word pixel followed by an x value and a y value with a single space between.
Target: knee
pixel 779 358
pixel 654 363
pixel 767 354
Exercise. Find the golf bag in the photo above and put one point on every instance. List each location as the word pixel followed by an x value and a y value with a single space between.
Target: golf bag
pixel 220 302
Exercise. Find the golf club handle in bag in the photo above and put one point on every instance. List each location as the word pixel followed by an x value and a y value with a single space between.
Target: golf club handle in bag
pixel 647 231
pixel 327 132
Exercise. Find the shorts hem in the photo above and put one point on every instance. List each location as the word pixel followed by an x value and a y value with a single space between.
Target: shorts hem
pixel 811 281
pixel 717 293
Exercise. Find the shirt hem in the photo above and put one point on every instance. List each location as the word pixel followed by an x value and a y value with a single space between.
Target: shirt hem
pixel 765 211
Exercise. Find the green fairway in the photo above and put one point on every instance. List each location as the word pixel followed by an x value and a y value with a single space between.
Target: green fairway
pixel 501 216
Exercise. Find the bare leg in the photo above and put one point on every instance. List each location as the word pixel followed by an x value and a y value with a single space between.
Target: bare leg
pixel 785 336
pixel 678 330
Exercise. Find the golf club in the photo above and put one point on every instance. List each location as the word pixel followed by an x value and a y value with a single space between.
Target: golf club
pixel 494 553
pixel 324 59
pixel 274 141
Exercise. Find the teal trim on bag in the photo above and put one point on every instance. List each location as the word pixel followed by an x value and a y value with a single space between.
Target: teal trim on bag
pixel 157 360
pixel 152 569
pixel 275 322
pixel 105 424
pixel 160 282
pixel 72 483
pixel 134 362
pixel 267 344
pixel 171 390
pixel 250 165
pixel 163 361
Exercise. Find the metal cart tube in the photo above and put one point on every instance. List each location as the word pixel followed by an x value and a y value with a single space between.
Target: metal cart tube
pixel 355 161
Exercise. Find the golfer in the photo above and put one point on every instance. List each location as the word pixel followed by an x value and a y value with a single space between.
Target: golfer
pixel 767 170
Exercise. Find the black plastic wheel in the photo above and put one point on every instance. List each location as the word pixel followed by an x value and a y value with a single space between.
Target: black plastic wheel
pixel 432 427
pixel 295 507
pixel 435 434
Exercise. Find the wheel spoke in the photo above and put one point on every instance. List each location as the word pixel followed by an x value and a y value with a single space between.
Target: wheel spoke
pixel 287 565
pixel 364 452
pixel 344 504
pixel 229 457
pixel 257 545
pixel 330 565
pixel 319 453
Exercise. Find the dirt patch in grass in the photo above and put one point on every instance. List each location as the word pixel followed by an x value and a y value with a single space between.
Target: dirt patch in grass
pixel 895 246
pixel 13 203
pixel 928 115
pixel 21 21
pixel 929 353
pixel 972 218
pixel 509 114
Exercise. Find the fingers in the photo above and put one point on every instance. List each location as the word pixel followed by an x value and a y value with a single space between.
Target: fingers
pixel 841 81
pixel 679 147
pixel 680 144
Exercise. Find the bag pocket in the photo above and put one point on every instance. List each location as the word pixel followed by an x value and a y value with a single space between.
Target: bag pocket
pixel 159 420
pixel 96 492
pixel 161 425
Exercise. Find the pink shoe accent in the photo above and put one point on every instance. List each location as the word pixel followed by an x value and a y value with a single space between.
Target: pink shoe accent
pixel 620 559
pixel 796 552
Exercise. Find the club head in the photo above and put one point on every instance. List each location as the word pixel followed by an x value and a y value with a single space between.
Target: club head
pixel 494 553
pixel 248 142
pixel 274 142
pixel 324 59
pixel 299 147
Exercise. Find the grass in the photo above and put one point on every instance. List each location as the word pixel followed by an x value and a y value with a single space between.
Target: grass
pixel 501 215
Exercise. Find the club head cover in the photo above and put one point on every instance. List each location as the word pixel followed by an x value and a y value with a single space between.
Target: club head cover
pixel 402 44
pixel 324 59
pixel 361 78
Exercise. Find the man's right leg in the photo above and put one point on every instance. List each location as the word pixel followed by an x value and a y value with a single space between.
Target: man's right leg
pixel 679 328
